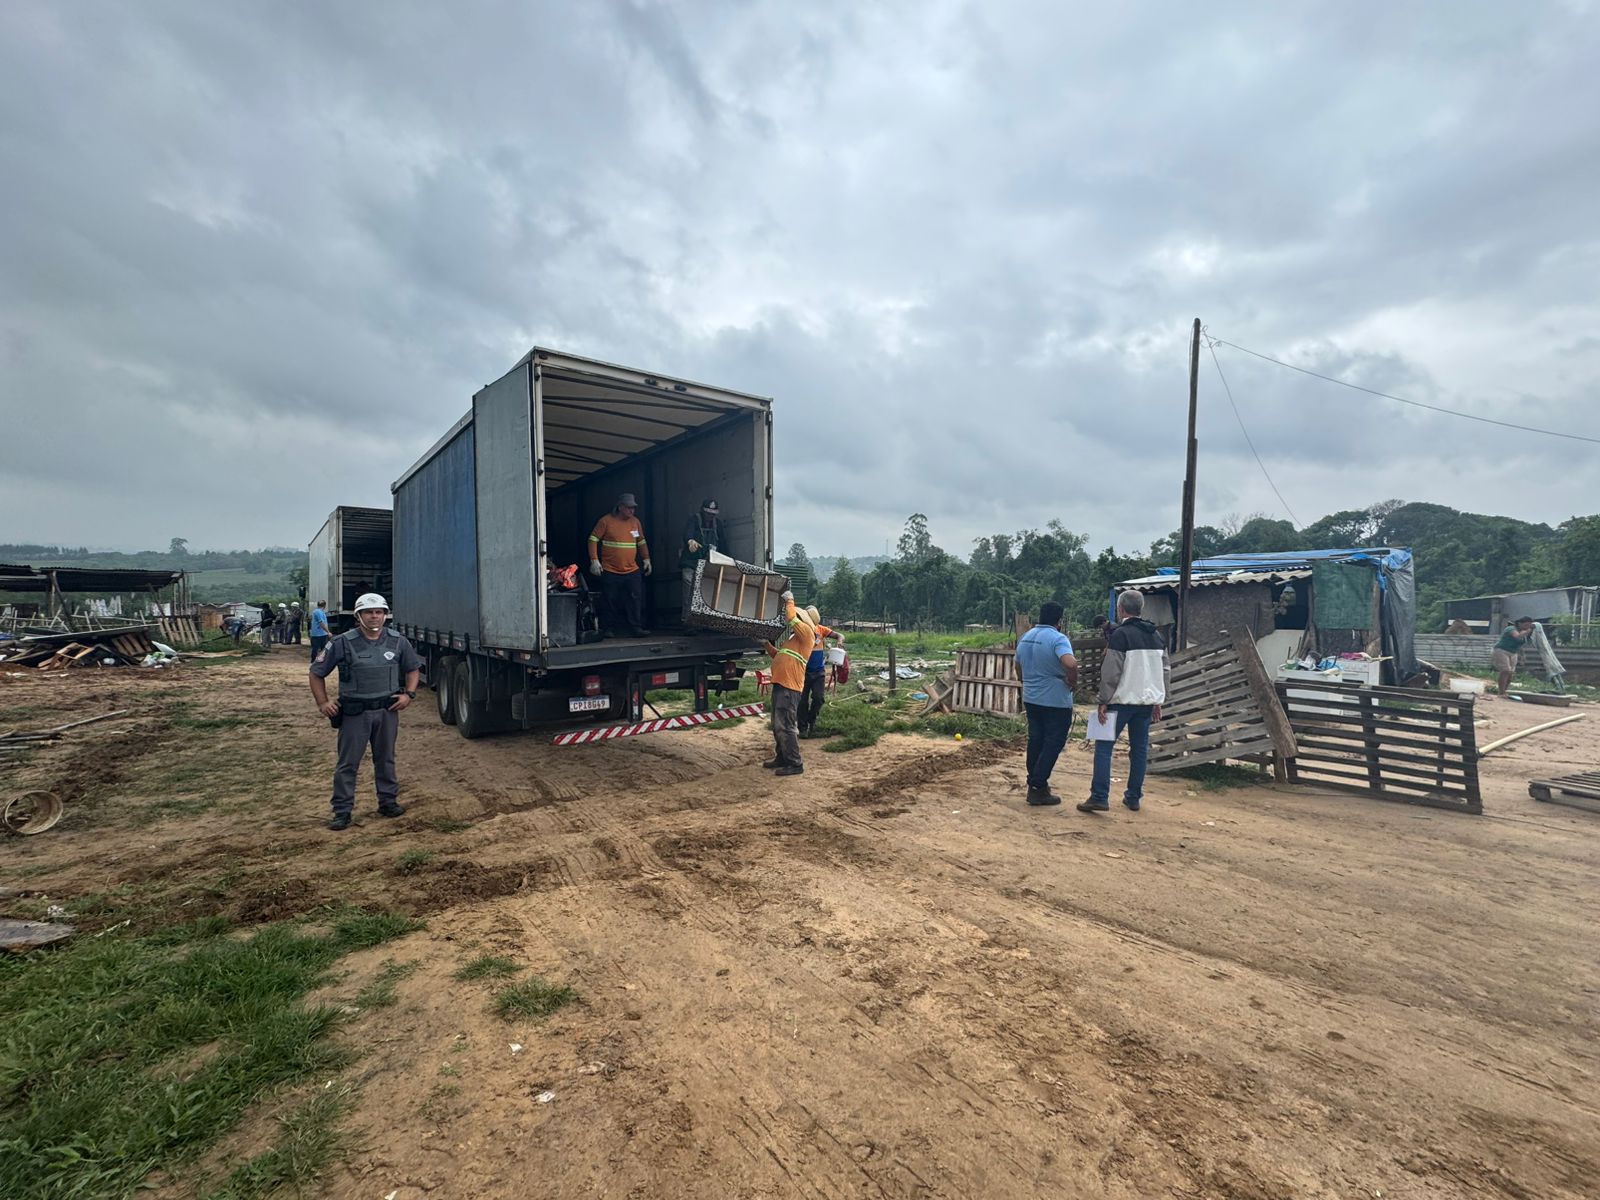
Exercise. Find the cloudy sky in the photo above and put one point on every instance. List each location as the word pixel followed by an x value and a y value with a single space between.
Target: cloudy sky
pixel 256 257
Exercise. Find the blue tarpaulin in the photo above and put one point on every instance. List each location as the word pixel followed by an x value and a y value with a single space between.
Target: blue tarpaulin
pixel 1396 584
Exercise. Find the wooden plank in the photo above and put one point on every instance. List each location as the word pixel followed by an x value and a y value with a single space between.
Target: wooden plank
pixel 1266 697
pixel 1363 750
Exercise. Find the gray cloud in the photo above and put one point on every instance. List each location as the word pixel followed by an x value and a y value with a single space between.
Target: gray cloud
pixel 259 257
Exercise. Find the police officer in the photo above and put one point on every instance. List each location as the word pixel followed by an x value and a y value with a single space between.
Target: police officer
pixel 378 674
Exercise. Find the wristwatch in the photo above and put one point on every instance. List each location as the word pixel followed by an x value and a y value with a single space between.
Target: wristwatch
pixel 413 695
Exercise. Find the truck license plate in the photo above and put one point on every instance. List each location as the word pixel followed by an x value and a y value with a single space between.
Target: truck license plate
pixel 588 703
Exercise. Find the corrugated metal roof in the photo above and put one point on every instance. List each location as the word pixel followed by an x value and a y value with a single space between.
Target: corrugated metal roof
pixel 1158 583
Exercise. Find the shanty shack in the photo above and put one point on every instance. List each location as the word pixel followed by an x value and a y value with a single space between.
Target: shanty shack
pixel 1292 603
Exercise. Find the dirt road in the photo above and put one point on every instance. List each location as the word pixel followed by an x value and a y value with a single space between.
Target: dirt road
pixel 888 977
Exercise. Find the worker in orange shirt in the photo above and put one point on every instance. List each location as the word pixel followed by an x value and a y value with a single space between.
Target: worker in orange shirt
pixel 619 555
pixel 789 658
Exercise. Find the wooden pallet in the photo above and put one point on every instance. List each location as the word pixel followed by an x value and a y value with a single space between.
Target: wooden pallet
pixel 986 682
pixel 1576 791
pixel 1220 705
pixel 1419 747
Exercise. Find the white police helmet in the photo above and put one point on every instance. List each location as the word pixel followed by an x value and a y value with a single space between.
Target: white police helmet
pixel 372 600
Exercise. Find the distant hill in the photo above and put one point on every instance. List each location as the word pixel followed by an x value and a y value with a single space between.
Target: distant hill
pixel 214 575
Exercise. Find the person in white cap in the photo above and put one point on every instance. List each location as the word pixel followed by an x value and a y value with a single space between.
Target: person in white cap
pixel 378 676
pixel 620 556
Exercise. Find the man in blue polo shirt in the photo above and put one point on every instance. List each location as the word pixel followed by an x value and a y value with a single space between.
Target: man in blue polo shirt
pixel 1049 673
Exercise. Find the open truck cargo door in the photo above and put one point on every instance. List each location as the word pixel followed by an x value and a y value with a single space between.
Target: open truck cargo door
pixel 510 580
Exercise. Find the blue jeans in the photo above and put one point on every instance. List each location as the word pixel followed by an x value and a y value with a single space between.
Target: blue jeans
pixel 1048 727
pixel 1135 718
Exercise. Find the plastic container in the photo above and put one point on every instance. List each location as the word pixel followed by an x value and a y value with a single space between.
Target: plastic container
pixel 835 655
pixel 1468 687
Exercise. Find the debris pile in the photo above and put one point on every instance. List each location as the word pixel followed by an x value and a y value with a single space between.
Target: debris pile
pixel 129 646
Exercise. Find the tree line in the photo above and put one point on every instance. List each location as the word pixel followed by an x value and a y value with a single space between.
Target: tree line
pixel 1458 554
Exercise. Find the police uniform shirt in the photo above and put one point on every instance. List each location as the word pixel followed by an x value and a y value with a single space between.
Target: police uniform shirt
pixel 390 645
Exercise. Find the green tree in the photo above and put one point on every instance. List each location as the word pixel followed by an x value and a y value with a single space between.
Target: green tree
pixel 1579 557
pixel 802 580
pixel 915 541
pixel 841 595
pixel 178 546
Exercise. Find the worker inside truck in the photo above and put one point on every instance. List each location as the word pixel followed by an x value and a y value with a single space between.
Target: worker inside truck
pixel 619 557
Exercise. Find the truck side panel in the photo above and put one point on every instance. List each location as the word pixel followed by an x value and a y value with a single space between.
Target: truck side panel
pixel 436 542
pixel 508 550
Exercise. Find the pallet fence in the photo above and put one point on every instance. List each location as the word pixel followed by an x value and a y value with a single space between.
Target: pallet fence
pixel 1394 743
pixel 1220 705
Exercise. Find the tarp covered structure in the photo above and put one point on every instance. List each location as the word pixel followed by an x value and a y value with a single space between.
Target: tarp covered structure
pixel 1392 566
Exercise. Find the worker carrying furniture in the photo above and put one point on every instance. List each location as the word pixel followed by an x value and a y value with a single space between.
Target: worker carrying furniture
pixel 619 555
pixel 789 657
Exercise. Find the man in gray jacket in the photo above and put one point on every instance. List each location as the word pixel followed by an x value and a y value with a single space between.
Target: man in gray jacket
pixel 1134 678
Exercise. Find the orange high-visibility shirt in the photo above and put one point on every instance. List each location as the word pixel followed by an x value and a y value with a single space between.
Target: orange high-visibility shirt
pixel 618 544
pixel 793 649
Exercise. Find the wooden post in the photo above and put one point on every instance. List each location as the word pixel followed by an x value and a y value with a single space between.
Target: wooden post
pixel 1186 537
pixel 1266 696
pixel 894 679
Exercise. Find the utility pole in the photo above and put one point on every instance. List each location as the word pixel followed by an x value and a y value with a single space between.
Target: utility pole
pixel 1186 548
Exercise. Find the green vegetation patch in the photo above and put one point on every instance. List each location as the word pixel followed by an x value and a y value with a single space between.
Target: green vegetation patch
pixel 487 966
pixel 308 1138
pixel 532 998
pixel 124 1055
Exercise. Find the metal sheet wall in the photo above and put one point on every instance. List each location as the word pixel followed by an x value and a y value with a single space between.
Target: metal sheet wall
pixel 436 542
pixel 502 415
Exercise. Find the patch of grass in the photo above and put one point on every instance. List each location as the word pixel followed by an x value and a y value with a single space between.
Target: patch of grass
pixel 446 825
pixel 124 1055
pixel 449 1070
pixel 1220 777
pixel 361 929
pixel 973 727
pixel 532 998
pixel 410 860
pixel 383 992
pixel 308 1140
pixel 208 724
pixel 488 966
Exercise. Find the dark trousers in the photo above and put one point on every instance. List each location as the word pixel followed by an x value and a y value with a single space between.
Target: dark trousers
pixel 1048 727
pixel 318 641
pixel 1135 718
pixel 624 602
pixel 786 724
pixel 378 729
pixel 811 700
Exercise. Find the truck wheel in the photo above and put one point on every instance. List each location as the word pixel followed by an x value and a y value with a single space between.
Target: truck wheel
pixel 472 716
pixel 444 678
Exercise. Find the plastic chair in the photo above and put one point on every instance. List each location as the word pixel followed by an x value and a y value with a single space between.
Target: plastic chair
pixel 763 681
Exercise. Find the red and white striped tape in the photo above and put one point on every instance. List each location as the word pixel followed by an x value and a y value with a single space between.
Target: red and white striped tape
pixel 579 737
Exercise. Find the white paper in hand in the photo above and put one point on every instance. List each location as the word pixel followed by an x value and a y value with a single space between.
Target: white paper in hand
pixel 1101 731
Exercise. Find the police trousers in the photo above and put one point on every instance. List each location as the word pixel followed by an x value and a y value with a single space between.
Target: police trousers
pixel 378 728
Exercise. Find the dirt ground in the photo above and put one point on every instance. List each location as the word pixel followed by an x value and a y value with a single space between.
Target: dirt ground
pixel 888 977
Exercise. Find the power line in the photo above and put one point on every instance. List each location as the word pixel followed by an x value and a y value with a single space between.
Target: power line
pixel 1211 346
pixel 1449 412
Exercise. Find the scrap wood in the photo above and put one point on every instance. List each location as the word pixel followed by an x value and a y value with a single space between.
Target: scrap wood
pixel 18 936
pixel 939 693
pixel 1577 791
pixel 28 735
pixel 1545 698
pixel 1512 737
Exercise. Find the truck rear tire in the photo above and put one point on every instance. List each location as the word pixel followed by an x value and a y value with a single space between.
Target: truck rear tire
pixel 443 678
pixel 472 716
